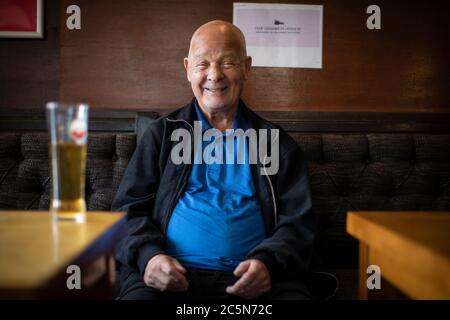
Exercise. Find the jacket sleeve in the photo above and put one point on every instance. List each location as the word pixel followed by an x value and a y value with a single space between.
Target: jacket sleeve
pixel 289 247
pixel 136 196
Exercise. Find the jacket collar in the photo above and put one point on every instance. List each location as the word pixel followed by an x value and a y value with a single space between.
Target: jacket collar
pixel 187 114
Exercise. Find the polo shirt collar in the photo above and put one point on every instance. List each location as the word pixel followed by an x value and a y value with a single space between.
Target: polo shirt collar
pixel 238 121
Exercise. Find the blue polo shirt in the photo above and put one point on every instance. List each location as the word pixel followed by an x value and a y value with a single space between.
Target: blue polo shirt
pixel 217 220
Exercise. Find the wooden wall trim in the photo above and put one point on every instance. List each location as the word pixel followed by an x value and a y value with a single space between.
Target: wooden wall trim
pixel 99 120
pixel 403 67
pixel 352 122
pixel 294 121
pixel 360 121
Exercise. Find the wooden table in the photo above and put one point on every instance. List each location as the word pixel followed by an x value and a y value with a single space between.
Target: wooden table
pixel 36 251
pixel 412 250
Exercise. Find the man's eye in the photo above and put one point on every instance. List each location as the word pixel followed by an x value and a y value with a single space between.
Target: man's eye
pixel 202 65
pixel 228 64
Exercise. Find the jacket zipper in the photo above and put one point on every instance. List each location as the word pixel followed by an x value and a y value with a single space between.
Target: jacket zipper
pixel 183 177
pixel 272 192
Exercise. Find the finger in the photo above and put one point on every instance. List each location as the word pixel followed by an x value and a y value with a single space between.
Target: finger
pixel 179 267
pixel 241 268
pixel 178 286
pixel 170 283
pixel 172 266
pixel 174 274
pixel 255 289
pixel 154 282
pixel 179 279
pixel 163 279
pixel 173 278
pixel 165 267
pixel 168 273
pixel 254 282
pixel 242 283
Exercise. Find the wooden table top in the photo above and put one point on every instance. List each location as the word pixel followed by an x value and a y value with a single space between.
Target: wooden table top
pixel 416 243
pixel 428 229
pixel 34 248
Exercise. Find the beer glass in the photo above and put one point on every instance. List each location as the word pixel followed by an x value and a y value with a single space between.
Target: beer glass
pixel 68 128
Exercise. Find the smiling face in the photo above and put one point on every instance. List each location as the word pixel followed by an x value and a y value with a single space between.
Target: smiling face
pixel 217 66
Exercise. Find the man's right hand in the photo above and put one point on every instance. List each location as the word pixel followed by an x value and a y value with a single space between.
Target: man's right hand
pixel 165 273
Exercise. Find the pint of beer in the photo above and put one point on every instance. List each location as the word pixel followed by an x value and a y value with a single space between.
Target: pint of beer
pixel 68 128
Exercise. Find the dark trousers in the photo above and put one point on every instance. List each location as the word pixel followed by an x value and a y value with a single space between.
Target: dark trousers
pixel 210 285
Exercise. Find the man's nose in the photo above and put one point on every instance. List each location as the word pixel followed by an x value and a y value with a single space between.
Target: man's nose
pixel 215 72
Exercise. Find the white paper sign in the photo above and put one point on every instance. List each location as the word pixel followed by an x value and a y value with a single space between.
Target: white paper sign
pixel 281 35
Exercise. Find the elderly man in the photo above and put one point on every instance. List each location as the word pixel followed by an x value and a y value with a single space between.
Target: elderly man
pixel 209 229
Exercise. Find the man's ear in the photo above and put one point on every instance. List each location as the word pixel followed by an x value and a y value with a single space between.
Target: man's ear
pixel 186 67
pixel 248 65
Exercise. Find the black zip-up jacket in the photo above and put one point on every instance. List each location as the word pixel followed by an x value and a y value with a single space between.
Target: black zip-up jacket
pixel 152 185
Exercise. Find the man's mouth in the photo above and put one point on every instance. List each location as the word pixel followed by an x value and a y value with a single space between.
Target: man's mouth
pixel 216 90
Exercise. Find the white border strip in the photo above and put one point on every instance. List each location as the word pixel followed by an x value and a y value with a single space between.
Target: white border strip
pixel 31 34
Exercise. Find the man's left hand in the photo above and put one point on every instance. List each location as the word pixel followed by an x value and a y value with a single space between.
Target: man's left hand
pixel 254 279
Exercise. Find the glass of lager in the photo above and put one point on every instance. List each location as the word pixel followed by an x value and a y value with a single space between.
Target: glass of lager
pixel 68 128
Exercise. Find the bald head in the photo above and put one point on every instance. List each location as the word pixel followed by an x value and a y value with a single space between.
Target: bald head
pixel 219 30
pixel 217 67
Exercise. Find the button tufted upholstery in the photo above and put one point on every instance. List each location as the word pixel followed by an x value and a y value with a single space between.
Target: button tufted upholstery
pixel 372 172
pixel 352 171
pixel 24 171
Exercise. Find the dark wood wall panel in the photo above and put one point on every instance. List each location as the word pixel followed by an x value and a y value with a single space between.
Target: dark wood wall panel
pixel 401 68
pixel 29 68
pixel 129 54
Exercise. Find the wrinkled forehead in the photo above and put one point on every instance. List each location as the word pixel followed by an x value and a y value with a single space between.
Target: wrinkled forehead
pixel 217 42
pixel 215 50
